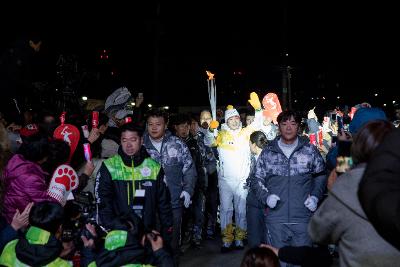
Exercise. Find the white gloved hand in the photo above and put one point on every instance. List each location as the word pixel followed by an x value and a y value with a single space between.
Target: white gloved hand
pixel 272 200
pixel 311 203
pixel 186 196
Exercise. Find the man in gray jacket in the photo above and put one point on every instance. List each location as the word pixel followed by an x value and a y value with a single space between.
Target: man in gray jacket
pixel 180 172
pixel 289 180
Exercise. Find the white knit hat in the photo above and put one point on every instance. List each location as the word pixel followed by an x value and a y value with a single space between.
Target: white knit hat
pixel 230 112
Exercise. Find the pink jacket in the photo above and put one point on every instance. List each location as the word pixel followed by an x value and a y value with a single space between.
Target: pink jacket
pixel 24 182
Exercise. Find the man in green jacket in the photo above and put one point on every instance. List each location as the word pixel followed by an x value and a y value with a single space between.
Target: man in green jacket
pixel 131 183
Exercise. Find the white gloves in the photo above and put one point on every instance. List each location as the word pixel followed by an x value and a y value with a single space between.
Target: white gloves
pixel 311 203
pixel 186 196
pixel 272 200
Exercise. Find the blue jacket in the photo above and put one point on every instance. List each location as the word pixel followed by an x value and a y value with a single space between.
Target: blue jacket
pixel 293 180
pixel 7 233
pixel 179 169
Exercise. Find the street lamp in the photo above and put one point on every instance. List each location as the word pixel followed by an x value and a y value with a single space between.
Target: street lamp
pixel 84 98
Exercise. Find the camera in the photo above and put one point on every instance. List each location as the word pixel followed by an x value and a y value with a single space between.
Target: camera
pixel 78 213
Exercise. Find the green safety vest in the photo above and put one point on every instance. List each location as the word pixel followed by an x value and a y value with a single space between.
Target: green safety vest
pixel 148 170
pixel 35 236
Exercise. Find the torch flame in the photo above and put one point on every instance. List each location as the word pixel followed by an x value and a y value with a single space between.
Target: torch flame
pixel 210 75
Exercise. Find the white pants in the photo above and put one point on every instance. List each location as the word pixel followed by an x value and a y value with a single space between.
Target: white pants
pixel 232 195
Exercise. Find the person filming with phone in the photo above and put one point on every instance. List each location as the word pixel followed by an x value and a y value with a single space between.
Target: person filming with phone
pixel 339 159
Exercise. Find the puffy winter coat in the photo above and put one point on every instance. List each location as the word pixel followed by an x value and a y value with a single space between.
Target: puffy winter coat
pixel 24 182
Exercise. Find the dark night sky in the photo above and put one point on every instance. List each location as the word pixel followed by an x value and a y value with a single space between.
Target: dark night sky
pixel 334 47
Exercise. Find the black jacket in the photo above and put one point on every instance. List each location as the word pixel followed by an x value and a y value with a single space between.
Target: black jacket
pixel 379 189
pixel 112 198
pixel 198 160
pixel 306 256
pixel 133 252
pixel 38 255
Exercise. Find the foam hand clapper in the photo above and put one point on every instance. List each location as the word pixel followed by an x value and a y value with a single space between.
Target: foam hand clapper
pixel 255 101
pixel 64 180
pixel 272 106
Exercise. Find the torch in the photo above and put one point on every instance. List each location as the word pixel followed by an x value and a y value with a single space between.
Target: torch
pixel 212 96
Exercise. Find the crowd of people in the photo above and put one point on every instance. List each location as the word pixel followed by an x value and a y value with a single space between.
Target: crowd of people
pixel 123 185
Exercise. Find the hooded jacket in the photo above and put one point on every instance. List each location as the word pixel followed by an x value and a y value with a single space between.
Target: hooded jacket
pixel 293 180
pixel 123 248
pixel 115 195
pixel 341 220
pixel 24 182
pixel 37 248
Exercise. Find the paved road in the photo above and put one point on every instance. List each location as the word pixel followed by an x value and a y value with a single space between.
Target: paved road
pixel 210 256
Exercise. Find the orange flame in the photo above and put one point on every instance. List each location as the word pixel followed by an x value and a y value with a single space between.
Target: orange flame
pixel 210 75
